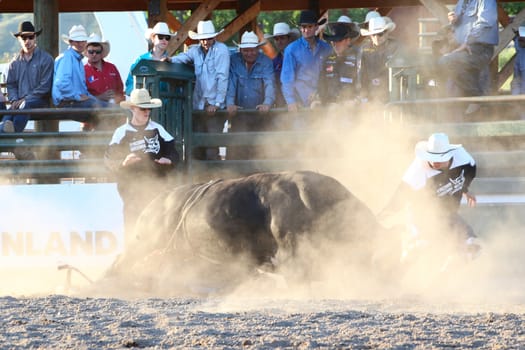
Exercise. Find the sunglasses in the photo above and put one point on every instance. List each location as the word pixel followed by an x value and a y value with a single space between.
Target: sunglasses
pixel 95 52
pixel 27 37
pixel 164 37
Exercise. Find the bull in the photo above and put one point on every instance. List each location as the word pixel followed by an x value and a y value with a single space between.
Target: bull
pixel 223 229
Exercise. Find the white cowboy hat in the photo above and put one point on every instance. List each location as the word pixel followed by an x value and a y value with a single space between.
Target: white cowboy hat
pixel 159 28
pixel 249 40
pixel 205 30
pixel 436 149
pixel 370 15
pixel 279 29
pixel 142 99
pixel 378 25
pixel 344 19
pixel 76 33
pixel 95 39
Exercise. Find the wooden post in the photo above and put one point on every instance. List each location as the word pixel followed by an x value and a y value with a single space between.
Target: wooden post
pixel 243 6
pixel 46 17
pixel 157 12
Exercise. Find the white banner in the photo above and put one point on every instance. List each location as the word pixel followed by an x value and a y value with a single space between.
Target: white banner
pixel 66 223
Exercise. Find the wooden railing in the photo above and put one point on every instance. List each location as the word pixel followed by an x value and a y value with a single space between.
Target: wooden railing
pixel 84 149
pixel 501 160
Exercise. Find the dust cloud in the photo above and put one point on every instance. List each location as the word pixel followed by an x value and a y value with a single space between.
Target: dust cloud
pixel 368 155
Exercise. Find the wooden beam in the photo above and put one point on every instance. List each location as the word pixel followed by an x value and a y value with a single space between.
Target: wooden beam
pixel 173 22
pixel 46 18
pixel 26 6
pixel 506 71
pixel 503 16
pixel 437 9
pixel 203 11
pixel 157 12
pixel 507 34
pixel 240 21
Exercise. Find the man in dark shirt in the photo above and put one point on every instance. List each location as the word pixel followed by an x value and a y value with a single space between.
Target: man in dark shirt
pixel 141 154
pixel 340 79
pixel 29 78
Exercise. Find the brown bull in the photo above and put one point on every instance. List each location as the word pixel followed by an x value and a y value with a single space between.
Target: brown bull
pixel 242 224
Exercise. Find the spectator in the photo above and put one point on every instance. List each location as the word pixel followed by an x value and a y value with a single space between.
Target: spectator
pixel 433 186
pixel 475 25
pixel 160 36
pixel 251 81
pixel 251 86
pixel 302 63
pixel 102 77
pixel 282 37
pixel 141 154
pixel 376 54
pixel 69 82
pixel 211 61
pixel 340 80
pixel 518 80
pixel 29 78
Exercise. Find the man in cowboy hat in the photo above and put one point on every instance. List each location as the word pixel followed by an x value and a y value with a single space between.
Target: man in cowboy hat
pixel 433 186
pixel 340 80
pixel 251 86
pixel 29 78
pixel 251 80
pixel 159 37
pixel 282 36
pixel 376 53
pixel 102 77
pixel 211 61
pixel 69 82
pixel 141 154
pixel 302 63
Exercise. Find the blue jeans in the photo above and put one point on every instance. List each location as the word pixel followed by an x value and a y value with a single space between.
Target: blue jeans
pixel 467 70
pixel 20 120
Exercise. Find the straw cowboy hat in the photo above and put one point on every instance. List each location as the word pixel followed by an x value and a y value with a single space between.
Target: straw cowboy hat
pixel 141 98
pixel 26 28
pixel 337 31
pixel 205 30
pixel 281 29
pixel 159 28
pixel 378 25
pixel 436 149
pixel 95 39
pixel 249 40
pixel 76 33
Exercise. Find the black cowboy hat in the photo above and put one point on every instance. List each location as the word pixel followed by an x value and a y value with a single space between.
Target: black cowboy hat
pixel 27 28
pixel 310 17
pixel 337 31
